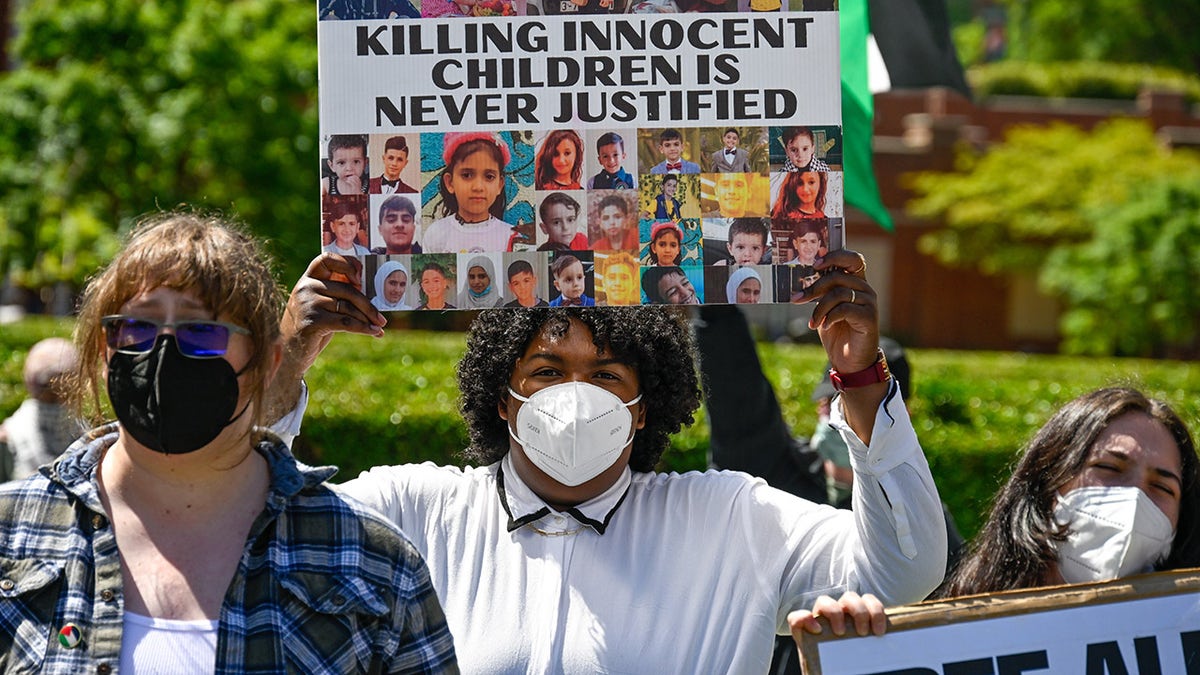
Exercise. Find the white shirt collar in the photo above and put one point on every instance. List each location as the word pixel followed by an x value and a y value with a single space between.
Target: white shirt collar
pixel 524 507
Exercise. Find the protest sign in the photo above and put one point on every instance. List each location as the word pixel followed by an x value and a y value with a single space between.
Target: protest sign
pixel 591 155
pixel 1145 625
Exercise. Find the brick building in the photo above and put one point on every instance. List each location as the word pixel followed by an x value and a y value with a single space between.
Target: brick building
pixel 926 304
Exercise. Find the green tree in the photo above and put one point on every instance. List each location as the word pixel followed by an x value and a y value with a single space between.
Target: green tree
pixel 1108 220
pixel 1147 31
pixel 121 107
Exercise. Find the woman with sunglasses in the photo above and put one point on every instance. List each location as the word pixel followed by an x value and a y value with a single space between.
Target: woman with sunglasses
pixel 182 537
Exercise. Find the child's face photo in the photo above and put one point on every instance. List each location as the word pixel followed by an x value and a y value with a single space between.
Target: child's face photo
pixel 478 279
pixel 672 149
pixel 345 230
pixel 475 182
pixel 666 249
pixel 748 292
pixel 612 223
pixel 677 289
pixel 669 185
pixel 730 139
pixel 559 224
pixel 394 286
pixel 394 162
pixel 523 286
pixel 808 246
pixel 620 285
pixel 611 157
pixel 347 162
pixel 810 279
pixel 397 230
pixel 800 150
pixel 434 285
pixel 570 281
pixel 732 191
pixel 746 249
pixel 808 189
pixel 563 160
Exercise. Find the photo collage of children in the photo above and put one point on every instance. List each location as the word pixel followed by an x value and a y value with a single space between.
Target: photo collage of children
pixel 437 9
pixel 476 219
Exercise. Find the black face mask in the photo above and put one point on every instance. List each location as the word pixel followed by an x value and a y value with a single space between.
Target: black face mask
pixel 169 402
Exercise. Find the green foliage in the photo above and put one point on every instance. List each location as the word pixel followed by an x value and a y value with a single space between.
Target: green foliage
pixel 1072 79
pixel 121 107
pixel 394 400
pixel 1148 31
pixel 968 38
pixel 1104 218
pixel 1134 287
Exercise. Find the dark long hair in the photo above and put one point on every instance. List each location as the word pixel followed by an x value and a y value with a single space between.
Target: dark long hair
pixel 1015 549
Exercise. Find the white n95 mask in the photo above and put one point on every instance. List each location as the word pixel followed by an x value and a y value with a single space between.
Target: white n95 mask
pixel 573 431
pixel 1111 532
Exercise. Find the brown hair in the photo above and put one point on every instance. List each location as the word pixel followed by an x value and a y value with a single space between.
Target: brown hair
pixel 207 255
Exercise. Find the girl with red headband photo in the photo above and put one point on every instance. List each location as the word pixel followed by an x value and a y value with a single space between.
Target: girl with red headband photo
pixel 472 191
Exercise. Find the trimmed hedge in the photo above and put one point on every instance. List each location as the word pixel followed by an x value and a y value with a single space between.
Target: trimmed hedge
pixel 1079 79
pixel 393 400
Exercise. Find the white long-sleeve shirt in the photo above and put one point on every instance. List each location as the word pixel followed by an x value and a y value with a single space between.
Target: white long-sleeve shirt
pixel 663 573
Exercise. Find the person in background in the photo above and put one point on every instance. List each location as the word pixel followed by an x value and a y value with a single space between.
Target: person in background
pixel 43 426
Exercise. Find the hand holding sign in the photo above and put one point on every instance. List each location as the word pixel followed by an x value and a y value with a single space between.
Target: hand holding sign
pixel 326 300
pixel 865 611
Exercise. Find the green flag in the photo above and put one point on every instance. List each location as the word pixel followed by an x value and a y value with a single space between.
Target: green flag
pixel 858 110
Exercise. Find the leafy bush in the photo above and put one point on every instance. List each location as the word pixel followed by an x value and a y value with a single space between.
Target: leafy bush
pixel 1117 247
pixel 393 400
pixel 1079 79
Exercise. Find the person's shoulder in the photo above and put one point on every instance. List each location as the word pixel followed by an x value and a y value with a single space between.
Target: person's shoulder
pixel 425 477
pixel 38 507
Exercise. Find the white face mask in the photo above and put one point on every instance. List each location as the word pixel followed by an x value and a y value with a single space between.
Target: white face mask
pixel 573 431
pixel 1112 532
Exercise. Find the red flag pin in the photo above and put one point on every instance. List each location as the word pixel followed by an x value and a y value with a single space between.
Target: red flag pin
pixel 70 636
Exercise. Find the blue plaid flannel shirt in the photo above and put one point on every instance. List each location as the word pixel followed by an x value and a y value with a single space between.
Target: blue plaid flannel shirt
pixel 323 586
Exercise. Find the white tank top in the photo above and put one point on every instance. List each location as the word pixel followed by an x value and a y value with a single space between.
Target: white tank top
pixel 166 646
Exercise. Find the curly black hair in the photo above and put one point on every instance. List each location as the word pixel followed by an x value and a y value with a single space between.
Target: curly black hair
pixel 656 341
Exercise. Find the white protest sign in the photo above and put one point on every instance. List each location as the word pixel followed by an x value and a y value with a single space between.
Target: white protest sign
pixel 606 159
pixel 1143 626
